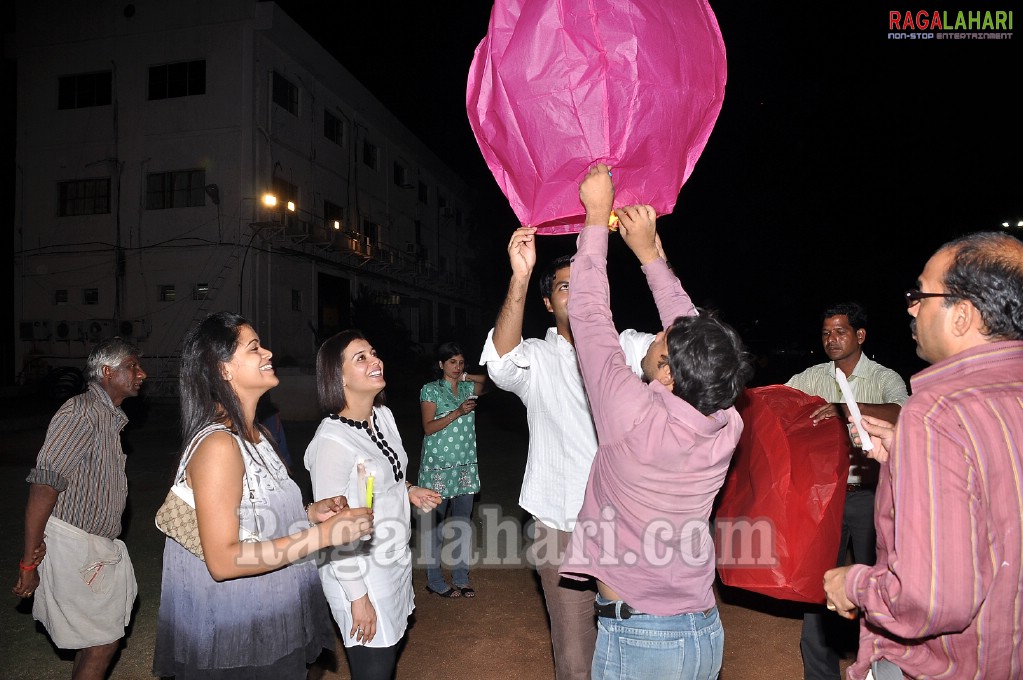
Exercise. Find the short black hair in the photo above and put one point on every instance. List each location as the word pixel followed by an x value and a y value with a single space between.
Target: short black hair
pixel 329 361
pixel 448 350
pixel 854 311
pixel 550 271
pixel 708 362
pixel 987 270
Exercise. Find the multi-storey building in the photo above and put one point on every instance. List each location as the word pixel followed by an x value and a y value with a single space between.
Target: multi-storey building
pixel 149 134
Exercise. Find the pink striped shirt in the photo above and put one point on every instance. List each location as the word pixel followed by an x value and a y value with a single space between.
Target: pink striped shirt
pixel 945 599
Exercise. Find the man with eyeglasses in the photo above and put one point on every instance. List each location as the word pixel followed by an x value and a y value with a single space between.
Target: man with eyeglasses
pixel 879 392
pixel 945 595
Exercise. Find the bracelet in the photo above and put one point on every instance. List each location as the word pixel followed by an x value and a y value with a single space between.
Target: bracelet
pixel 26 567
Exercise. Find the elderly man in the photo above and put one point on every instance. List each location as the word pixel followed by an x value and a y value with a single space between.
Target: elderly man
pixel 879 392
pixel 85 586
pixel 945 596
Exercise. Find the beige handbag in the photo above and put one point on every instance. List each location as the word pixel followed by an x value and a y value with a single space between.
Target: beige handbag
pixel 177 519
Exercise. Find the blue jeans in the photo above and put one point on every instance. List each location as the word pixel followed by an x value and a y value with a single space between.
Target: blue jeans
pixel 461 511
pixel 680 647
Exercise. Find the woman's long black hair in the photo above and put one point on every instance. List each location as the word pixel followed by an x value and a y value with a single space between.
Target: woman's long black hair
pixel 206 397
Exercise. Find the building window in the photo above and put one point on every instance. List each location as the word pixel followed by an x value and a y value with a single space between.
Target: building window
pixel 285 94
pixel 84 89
pixel 90 296
pixel 371 230
pixel 178 189
pixel 333 216
pixel 401 175
pixel 60 296
pixel 182 79
pixel 167 293
pixel 425 321
pixel 296 300
pixel 84 197
pixel 442 202
pixel 284 191
pixel 424 192
pixel 201 291
pixel 370 154
pixel 333 128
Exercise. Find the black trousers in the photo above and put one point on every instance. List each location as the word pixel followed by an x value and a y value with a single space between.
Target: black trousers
pixel 825 633
pixel 372 663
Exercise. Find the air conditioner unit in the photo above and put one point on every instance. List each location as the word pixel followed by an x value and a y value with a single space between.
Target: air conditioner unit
pixel 134 329
pixel 67 330
pixel 99 329
pixel 34 330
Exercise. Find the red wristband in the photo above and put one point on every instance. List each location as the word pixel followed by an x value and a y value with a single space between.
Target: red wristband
pixel 26 567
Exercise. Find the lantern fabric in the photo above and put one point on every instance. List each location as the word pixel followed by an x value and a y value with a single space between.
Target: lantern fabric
pixel 558 85
pixel 779 515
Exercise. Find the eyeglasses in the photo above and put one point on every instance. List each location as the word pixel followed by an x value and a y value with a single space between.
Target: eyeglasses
pixel 913 297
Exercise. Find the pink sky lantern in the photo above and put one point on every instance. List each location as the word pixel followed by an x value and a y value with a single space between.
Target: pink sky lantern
pixel 558 85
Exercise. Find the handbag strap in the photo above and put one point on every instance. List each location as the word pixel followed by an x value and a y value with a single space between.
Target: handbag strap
pixel 201 435
pixel 186 457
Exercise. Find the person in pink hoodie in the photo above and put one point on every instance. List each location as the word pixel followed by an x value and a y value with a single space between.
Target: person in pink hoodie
pixel 665 443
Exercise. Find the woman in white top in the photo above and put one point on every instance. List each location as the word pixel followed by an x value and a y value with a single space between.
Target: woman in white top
pixel 252 526
pixel 368 583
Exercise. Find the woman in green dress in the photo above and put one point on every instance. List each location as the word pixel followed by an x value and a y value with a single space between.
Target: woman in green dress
pixel 449 467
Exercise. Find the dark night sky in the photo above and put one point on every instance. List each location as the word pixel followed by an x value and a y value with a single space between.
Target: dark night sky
pixel 840 160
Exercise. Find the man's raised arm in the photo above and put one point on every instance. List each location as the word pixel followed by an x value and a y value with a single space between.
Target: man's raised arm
pixel 638 227
pixel 522 256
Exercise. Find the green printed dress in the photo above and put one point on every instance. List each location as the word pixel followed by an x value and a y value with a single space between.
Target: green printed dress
pixel 449 464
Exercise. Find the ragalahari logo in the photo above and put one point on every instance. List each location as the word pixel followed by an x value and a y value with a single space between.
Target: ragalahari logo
pixel 950 25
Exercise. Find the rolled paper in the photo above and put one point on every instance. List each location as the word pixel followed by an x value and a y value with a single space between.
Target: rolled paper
pixel 854 410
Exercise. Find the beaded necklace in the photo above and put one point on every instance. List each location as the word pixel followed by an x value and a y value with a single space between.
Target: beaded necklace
pixel 378 438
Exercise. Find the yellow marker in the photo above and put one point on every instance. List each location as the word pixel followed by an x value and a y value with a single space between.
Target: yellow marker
pixel 369 491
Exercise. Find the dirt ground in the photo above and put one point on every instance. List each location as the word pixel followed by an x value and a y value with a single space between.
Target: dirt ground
pixel 502 633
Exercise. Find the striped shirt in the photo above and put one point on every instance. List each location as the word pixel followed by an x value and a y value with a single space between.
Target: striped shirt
pixel 871 383
pixel 945 598
pixel 82 459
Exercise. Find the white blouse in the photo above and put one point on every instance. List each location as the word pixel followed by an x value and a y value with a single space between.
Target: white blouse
pixel 382 564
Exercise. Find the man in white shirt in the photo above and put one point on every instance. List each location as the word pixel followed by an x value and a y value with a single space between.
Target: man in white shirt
pixel 545 375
